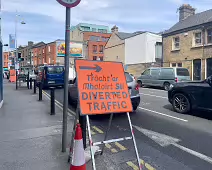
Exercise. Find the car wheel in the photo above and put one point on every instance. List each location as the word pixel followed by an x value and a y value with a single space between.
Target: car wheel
pixel 166 86
pixel 181 103
pixel 139 83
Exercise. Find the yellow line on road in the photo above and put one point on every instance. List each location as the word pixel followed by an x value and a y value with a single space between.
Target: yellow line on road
pixel 121 147
pixel 135 167
pixel 149 167
pixel 110 147
pixel 92 132
pixel 132 165
pixel 97 129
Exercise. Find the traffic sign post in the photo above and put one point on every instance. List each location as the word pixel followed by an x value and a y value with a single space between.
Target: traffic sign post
pixel 68 4
pixel 103 91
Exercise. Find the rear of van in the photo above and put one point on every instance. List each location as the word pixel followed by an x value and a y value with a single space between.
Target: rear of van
pixel 182 74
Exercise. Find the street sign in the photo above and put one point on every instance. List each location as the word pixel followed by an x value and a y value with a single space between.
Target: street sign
pixel 101 89
pixel 69 3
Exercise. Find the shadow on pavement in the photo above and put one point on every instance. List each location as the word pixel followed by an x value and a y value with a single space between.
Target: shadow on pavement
pixel 197 113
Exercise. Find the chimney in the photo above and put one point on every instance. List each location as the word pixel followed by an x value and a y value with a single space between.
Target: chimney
pixel 185 11
pixel 114 29
pixel 30 43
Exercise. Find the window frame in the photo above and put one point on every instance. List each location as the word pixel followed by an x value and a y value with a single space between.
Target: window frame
pixel 208 35
pixel 174 43
pixel 195 38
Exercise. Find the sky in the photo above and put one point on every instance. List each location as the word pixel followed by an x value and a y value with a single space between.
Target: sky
pixel 45 19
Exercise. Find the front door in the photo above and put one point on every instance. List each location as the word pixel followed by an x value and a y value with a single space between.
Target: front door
pixel 197 69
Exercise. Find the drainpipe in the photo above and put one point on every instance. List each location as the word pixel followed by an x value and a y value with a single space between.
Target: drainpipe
pixel 203 49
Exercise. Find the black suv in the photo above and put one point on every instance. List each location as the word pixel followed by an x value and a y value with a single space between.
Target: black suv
pixel 186 96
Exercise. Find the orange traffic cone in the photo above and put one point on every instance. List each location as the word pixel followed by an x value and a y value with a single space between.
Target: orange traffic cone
pixel 78 157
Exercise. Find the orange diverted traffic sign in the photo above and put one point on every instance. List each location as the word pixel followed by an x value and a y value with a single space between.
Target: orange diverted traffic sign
pixel 102 87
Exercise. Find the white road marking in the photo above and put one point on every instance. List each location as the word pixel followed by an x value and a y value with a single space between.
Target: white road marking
pixel 165 140
pixel 153 95
pixel 60 105
pixel 150 89
pixel 173 117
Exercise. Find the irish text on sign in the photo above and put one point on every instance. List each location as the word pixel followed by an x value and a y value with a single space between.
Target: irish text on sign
pixel 101 89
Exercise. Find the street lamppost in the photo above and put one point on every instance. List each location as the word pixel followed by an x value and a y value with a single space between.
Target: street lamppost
pixel 16 42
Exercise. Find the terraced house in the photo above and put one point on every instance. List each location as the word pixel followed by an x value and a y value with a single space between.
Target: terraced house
pixel 189 43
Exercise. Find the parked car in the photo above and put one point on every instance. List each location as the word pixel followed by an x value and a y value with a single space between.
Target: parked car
pixel 163 77
pixel 185 96
pixel 132 86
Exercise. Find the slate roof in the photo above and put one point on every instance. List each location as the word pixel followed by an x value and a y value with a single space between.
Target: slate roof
pixel 38 44
pixel 191 21
pixel 124 35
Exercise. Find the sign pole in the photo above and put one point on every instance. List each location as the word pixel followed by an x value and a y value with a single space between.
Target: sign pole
pixel 65 100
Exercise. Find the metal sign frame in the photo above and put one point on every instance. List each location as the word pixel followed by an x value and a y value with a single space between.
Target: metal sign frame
pixel 105 141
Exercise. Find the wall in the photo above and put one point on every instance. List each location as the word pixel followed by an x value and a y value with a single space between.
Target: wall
pixel 141 48
pixel 115 49
pixel 51 57
pixel 88 49
pixel 185 55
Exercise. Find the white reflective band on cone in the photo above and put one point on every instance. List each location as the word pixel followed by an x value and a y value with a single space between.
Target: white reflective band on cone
pixel 78 157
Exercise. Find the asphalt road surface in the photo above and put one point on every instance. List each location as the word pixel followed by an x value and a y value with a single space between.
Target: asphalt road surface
pixel 166 140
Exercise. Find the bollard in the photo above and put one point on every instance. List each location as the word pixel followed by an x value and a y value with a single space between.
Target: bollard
pixel 40 91
pixel 16 82
pixel 52 101
pixel 30 83
pixel 82 121
pixel 35 86
pixel 28 80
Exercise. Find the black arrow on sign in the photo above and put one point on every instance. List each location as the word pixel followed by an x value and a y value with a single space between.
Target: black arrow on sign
pixel 96 68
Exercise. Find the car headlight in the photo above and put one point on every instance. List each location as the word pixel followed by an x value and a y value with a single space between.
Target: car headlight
pixel 171 86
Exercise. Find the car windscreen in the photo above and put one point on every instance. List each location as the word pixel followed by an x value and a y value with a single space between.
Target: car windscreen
pixel 128 77
pixel 182 72
pixel 55 70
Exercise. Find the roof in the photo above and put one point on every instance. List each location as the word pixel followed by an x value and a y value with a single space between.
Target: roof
pixel 191 21
pixel 38 44
pixel 124 35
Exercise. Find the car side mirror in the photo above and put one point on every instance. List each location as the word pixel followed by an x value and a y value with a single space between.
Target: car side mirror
pixel 209 80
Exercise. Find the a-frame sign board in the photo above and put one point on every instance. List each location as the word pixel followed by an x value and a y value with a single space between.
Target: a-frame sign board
pixel 103 89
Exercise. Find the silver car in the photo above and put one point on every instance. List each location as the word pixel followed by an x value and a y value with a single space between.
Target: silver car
pixel 132 86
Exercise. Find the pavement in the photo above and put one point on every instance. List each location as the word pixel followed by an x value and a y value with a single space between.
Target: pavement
pixel 166 140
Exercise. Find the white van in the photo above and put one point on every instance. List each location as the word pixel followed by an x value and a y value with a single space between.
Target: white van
pixel 163 76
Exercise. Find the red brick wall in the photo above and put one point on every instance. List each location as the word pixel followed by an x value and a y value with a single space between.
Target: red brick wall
pixel 51 53
pixel 86 37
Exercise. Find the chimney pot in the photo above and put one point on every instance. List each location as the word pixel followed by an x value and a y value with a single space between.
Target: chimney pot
pixel 185 11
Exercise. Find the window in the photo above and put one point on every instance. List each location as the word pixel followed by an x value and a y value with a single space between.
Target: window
pixel 43 51
pixel 94 29
pixel 128 77
pixel 104 39
pixel 49 48
pixel 146 72
pixel 167 71
pixel 174 64
pixel 94 57
pixel 179 65
pixel 86 28
pixel 102 30
pixel 182 72
pixel 155 72
pixel 101 58
pixel 94 38
pixel 53 70
pixel 198 38
pixel 176 43
pixel 95 48
pixel 209 36
pixel 101 48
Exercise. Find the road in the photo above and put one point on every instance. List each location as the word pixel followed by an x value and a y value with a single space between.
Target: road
pixel 165 139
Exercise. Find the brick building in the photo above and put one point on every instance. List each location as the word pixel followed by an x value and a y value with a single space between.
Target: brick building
pixel 39 53
pixel 188 43
pixel 94 38
pixel 26 54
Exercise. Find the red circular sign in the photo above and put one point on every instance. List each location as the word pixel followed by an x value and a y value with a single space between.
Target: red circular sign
pixel 69 3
